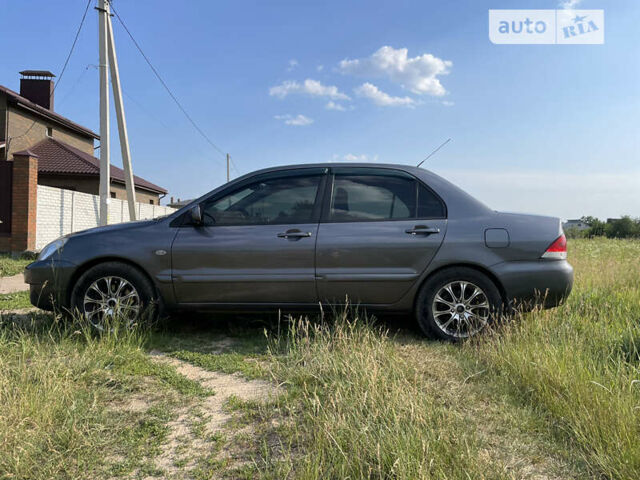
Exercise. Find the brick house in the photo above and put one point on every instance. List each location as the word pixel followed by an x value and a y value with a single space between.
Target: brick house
pixel 64 148
pixel 41 147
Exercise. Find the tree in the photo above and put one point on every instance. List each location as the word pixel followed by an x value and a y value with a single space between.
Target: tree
pixel 624 227
pixel 596 226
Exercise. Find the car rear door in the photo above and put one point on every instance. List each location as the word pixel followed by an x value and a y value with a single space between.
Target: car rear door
pixel 257 243
pixel 380 230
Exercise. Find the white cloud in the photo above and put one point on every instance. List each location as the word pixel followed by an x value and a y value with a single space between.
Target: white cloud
pixel 417 74
pixel 350 157
pixel 293 63
pixel 569 4
pixel 331 105
pixel 296 121
pixel 319 68
pixel 309 87
pixel 370 91
pixel 447 103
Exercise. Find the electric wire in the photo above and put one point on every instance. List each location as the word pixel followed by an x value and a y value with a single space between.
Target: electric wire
pixel 64 67
pixel 166 87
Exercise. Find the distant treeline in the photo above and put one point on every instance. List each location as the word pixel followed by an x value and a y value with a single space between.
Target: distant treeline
pixel 625 227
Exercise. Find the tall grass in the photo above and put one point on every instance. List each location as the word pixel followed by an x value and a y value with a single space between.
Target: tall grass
pixel 365 412
pixel 579 364
pixel 53 380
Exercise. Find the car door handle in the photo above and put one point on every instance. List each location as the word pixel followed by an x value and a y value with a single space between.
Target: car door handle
pixel 422 230
pixel 295 233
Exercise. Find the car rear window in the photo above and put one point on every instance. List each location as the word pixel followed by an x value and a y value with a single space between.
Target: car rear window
pixel 359 198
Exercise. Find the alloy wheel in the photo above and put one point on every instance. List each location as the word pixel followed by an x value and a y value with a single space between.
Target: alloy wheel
pixel 110 298
pixel 461 309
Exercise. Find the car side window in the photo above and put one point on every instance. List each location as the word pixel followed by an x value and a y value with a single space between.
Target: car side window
pixel 372 197
pixel 429 205
pixel 274 201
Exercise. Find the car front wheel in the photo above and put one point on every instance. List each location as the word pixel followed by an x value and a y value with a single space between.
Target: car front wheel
pixel 457 303
pixel 114 292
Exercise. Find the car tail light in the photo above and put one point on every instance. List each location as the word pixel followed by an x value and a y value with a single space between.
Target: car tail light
pixel 558 249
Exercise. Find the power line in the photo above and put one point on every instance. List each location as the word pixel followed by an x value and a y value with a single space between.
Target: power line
pixel 75 84
pixel 166 87
pixel 64 67
pixel 233 166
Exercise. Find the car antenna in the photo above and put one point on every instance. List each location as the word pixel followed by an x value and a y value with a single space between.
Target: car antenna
pixel 429 156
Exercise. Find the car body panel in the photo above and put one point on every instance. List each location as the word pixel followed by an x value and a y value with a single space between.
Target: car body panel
pixel 223 264
pixel 373 262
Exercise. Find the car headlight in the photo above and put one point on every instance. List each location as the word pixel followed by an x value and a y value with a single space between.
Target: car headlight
pixel 52 248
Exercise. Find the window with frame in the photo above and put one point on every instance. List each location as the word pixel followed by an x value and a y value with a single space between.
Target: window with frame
pixel 360 198
pixel 429 205
pixel 372 197
pixel 286 200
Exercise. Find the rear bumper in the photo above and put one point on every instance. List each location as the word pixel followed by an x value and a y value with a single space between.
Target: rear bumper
pixel 48 280
pixel 542 283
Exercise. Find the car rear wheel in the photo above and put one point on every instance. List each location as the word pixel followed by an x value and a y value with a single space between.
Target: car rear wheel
pixel 457 303
pixel 113 292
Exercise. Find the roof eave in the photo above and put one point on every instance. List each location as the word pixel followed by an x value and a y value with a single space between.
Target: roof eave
pixel 159 191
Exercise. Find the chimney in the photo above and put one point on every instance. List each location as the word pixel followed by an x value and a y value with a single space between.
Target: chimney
pixel 37 86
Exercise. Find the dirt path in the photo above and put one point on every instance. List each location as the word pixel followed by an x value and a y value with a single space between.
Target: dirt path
pixel 14 283
pixel 190 433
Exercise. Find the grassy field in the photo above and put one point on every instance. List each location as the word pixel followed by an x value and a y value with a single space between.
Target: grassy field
pixel 552 394
pixel 12 266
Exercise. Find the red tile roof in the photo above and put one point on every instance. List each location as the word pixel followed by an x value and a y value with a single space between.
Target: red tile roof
pixel 58 158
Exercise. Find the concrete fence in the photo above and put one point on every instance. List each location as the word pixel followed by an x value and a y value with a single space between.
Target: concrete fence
pixel 64 211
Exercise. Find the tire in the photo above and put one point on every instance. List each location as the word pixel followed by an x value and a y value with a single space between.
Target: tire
pixel 459 311
pixel 132 297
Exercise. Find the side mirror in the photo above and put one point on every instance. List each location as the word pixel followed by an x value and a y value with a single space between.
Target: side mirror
pixel 196 215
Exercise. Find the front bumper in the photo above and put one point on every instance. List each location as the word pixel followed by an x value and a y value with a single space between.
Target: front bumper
pixel 529 284
pixel 48 283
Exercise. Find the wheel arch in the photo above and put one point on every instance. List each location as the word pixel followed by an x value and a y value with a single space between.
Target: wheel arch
pixel 81 269
pixel 479 268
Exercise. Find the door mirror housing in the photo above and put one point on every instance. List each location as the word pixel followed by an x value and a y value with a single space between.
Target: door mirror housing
pixel 195 214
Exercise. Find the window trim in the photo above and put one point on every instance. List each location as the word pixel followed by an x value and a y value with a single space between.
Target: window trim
pixel 278 174
pixel 381 172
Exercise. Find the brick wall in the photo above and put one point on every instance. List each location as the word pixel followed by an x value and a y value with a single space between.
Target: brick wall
pixel 24 200
pixel 23 135
pixel 62 211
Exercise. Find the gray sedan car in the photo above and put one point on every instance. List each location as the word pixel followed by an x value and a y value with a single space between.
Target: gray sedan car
pixel 387 237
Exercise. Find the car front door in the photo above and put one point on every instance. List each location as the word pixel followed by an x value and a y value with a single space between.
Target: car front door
pixel 255 245
pixel 380 230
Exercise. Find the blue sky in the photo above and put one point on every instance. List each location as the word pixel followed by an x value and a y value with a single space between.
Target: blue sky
pixel 549 129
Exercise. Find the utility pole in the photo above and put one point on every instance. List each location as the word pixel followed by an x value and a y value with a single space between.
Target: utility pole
pixel 228 164
pixel 122 123
pixel 105 173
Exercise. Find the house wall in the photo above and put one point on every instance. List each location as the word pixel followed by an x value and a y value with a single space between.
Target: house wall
pixel 19 121
pixel 3 123
pixel 142 196
pixel 62 211
pixel 92 185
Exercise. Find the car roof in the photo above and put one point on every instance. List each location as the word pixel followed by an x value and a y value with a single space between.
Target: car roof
pixel 395 166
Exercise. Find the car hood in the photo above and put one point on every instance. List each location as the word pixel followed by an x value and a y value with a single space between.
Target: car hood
pixel 113 228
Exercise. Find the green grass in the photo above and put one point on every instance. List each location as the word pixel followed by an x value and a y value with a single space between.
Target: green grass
pixel 61 391
pixel 365 411
pixel 14 301
pixel 579 365
pixel 12 266
pixel 551 394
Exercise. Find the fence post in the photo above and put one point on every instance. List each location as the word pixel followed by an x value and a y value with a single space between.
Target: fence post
pixel 24 201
